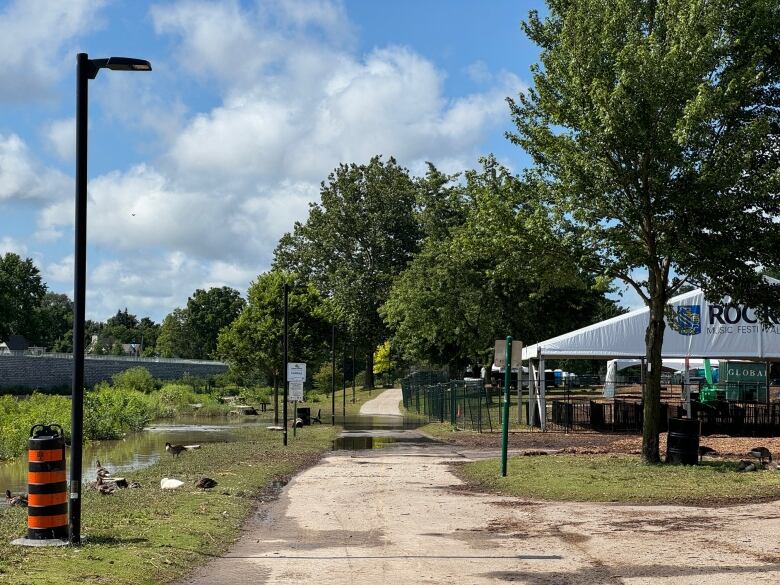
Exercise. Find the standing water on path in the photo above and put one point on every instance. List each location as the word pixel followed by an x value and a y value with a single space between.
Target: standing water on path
pixel 138 450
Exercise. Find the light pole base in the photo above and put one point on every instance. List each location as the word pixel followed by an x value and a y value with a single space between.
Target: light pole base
pixel 40 542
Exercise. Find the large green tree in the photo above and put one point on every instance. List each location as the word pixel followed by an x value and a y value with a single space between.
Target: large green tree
pixel 252 343
pixel 191 332
pixel 356 240
pixel 506 268
pixel 21 293
pixel 175 338
pixel 208 311
pixel 55 322
pixel 653 124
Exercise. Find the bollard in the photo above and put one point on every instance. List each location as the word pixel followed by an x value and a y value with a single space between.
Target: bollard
pixel 47 504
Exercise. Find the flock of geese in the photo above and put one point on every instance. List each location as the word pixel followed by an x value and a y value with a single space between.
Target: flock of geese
pixel 106 484
pixel 762 454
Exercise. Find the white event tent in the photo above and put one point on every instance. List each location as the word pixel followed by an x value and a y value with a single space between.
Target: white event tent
pixel 698 329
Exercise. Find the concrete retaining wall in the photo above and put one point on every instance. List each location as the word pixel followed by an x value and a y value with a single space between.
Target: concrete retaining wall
pixel 46 372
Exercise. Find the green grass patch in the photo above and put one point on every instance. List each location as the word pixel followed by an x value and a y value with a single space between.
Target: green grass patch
pixel 318 400
pixel 152 536
pixel 612 478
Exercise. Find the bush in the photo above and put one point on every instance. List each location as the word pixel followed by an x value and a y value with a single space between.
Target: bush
pixel 256 395
pixel 111 413
pixel 137 378
pixel 322 378
pixel 360 379
pixel 18 416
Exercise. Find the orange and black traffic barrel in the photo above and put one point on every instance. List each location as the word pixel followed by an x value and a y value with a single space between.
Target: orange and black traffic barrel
pixel 47 500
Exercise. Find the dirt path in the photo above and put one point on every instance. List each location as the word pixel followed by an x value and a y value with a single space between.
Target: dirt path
pixel 398 515
pixel 385 404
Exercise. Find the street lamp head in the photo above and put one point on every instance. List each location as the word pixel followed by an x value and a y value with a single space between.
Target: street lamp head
pixel 115 63
pixel 127 64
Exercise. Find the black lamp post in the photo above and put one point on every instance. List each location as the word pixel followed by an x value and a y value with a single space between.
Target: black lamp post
pixel 286 357
pixel 86 69
pixel 333 377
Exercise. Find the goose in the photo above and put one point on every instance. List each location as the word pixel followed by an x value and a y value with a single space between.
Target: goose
pixel 167 483
pixel 704 450
pixel 205 483
pixel 100 470
pixel 761 453
pixel 12 500
pixel 104 488
pixel 174 449
pixel 746 466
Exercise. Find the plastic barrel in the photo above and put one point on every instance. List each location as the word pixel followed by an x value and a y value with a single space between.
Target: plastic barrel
pixel 682 441
pixel 47 504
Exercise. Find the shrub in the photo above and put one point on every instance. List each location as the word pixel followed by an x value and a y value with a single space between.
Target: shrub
pixel 360 379
pixel 110 413
pixel 322 378
pixel 137 378
pixel 18 416
pixel 178 395
pixel 255 395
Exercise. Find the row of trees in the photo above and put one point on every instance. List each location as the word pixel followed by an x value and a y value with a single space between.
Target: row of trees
pixel 654 131
pixel 45 318
pixel 424 269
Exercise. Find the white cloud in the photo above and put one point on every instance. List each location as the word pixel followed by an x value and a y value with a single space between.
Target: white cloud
pixel 296 100
pixel 155 284
pixel 33 39
pixel 9 244
pixel 479 72
pixel 24 177
pixel 60 272
pixel 61 138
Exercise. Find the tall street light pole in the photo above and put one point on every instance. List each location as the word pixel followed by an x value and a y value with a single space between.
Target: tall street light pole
pixel 86 69
pixel 333 377
pixel 286 348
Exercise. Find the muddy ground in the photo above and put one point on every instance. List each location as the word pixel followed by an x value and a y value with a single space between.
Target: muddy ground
pixel 399 515
pixel 586 442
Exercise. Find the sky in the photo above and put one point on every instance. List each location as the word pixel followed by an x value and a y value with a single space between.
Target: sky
pixel 197 168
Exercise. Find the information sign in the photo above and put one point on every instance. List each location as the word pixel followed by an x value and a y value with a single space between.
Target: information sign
pixel 296 372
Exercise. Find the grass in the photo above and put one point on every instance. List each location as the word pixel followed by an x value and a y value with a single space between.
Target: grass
pixel 361 397
pixel 612 478
pixel 152 536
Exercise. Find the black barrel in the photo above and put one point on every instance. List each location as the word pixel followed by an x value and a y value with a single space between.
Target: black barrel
pixel 304 413
pixel 47 509
pixel 682 441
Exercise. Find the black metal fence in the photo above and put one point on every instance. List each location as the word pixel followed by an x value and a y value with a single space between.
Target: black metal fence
pixel 469 404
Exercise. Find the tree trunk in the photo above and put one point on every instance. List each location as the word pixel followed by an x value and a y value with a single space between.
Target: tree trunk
pixel 276 399
pixel 654 338
pixel 369 370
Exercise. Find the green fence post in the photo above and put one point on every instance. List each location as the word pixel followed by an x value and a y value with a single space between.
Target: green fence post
pixel 505 410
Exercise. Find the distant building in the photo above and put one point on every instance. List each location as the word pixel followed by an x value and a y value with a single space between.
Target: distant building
pixel 15 345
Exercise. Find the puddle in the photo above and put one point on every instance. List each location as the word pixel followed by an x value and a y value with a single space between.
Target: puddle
pixel 357 441
pixel 361 442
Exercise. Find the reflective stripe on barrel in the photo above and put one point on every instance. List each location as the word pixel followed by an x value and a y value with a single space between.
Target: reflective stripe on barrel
pixel 43 455
pixel 47 499
pixel 49 523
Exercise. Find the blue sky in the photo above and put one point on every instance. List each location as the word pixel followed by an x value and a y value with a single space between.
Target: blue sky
pixel 197 168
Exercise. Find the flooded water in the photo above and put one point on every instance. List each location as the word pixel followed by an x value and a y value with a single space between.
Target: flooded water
pixel 139 450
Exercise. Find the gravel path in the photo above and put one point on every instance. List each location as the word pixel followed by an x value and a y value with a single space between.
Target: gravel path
pixel 385 404
pixel 399 515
